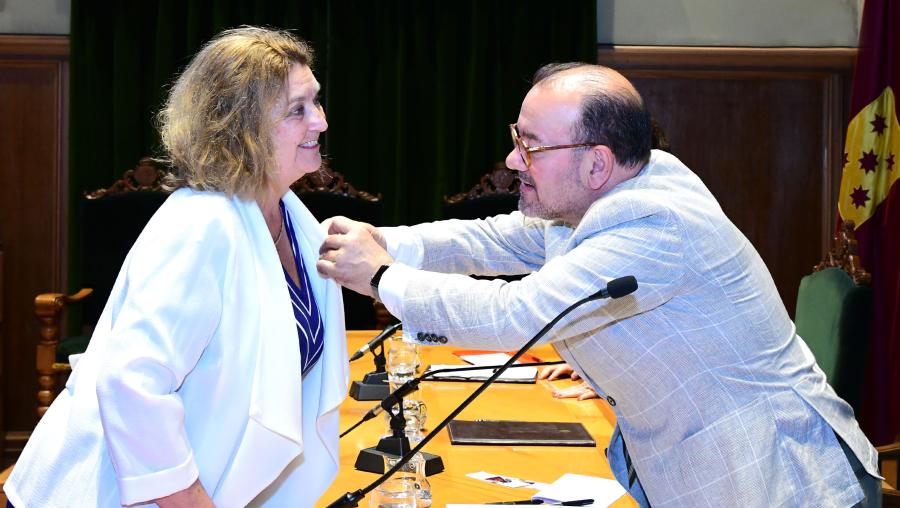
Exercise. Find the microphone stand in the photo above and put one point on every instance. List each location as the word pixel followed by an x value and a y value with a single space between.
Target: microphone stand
pixel 374 385
pixel 351 499
pixel 412 385
pixel 397 444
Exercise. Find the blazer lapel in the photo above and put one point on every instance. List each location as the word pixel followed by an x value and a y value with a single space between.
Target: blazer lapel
pixel 273 437
pixel 336 374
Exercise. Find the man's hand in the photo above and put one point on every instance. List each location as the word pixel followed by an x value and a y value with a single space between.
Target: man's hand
pixel 581 391
pixel 352 253
pixel 340 223
pixel 552 372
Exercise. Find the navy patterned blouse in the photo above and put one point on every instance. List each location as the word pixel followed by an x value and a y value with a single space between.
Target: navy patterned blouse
pixel 306 313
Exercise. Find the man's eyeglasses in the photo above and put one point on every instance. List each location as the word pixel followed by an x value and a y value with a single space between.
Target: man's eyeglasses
pixel 525 151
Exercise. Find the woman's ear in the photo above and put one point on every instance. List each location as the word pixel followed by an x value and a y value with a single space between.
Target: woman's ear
pixel 601 168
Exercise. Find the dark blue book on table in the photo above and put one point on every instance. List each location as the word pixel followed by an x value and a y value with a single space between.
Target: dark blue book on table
pixel 512 432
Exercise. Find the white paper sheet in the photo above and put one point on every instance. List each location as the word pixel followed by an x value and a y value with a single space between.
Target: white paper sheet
pixel 572 487
pixel 517 374
pixel 488 359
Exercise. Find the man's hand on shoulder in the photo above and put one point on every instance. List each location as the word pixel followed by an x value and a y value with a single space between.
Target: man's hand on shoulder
pixel 340 224
pixel 352 253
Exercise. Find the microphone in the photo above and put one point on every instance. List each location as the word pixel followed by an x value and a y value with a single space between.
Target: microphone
pixel 616 288
pixel 381 337
pixel 413 385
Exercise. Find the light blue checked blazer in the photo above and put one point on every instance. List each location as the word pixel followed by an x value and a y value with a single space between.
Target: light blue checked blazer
pixel 718 399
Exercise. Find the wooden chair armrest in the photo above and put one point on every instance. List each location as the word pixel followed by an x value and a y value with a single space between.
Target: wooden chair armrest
pixel 4 476
pixel 890 497
pixel 80 295
pixel 888 458
pixel 890 451
pixel 48 305
pixel 48 308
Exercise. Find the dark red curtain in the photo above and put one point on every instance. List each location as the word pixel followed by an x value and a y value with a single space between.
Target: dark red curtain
pixel 870 198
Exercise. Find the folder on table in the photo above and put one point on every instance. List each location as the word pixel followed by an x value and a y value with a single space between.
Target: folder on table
pixel 511 432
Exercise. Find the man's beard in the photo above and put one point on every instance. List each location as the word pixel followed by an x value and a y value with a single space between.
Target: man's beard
pixel 540 210
pixel 535 209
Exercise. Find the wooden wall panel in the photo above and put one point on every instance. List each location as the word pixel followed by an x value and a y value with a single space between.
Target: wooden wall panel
pixel 33 154
pixel 763 128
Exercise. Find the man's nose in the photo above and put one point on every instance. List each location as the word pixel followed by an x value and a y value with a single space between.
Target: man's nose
pixel 514 161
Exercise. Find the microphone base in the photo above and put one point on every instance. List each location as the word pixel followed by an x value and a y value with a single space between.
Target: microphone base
pixel 374 386
pixel 372 461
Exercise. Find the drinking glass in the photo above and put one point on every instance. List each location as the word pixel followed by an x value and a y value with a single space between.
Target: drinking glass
pixel 398 491
pixel 402 362
pixel 413 471
pixel 394 493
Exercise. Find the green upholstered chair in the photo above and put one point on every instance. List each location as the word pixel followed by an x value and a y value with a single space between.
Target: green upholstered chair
pixel 833 317
pixel 111 220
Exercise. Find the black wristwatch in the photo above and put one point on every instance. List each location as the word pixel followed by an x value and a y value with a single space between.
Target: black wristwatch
pixel 376 279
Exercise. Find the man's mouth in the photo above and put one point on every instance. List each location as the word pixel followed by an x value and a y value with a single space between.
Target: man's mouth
pixel 313 143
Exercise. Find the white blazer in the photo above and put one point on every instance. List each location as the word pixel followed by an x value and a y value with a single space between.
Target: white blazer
pixel 194 371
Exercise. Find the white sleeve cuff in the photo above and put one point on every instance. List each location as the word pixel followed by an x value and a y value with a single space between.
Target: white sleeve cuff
pixel 159 484
pixel 404 246
pixel 392 287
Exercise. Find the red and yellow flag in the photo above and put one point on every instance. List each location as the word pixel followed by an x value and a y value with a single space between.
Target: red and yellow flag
pixel 870 197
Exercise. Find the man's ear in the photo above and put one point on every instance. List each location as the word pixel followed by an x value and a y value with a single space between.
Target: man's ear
pixel 602 162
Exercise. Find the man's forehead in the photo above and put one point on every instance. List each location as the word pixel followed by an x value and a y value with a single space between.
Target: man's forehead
pixel 548 108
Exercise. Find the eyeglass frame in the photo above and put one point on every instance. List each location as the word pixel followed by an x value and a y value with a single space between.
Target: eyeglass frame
pixel 525 151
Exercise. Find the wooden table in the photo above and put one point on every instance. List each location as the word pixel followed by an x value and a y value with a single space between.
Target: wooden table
pixel 502 401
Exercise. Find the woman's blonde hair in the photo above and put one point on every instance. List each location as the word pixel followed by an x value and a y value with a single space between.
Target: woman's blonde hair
pixel 217 121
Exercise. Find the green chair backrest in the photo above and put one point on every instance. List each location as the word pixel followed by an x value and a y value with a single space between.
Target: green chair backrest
pixel 833 317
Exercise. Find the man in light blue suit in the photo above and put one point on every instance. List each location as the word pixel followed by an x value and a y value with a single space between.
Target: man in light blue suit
pixel 719 401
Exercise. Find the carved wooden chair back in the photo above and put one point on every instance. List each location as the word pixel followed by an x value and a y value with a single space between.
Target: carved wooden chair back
pixel 497 192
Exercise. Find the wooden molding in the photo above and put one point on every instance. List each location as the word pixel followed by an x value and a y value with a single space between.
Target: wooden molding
pixel 35 99
pixel 34 46
pixel 690 57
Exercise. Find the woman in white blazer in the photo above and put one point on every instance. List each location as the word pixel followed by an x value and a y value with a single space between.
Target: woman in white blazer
pixel 216 370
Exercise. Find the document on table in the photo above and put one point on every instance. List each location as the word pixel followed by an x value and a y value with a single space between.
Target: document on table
pixel 570 487
pixel 487 359
pixel 516 375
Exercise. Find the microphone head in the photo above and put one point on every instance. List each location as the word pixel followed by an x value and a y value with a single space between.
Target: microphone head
pixel 622 286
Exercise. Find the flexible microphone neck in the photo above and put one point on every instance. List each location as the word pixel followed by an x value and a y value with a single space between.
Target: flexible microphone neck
pixel 382 336
pixel 614 289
